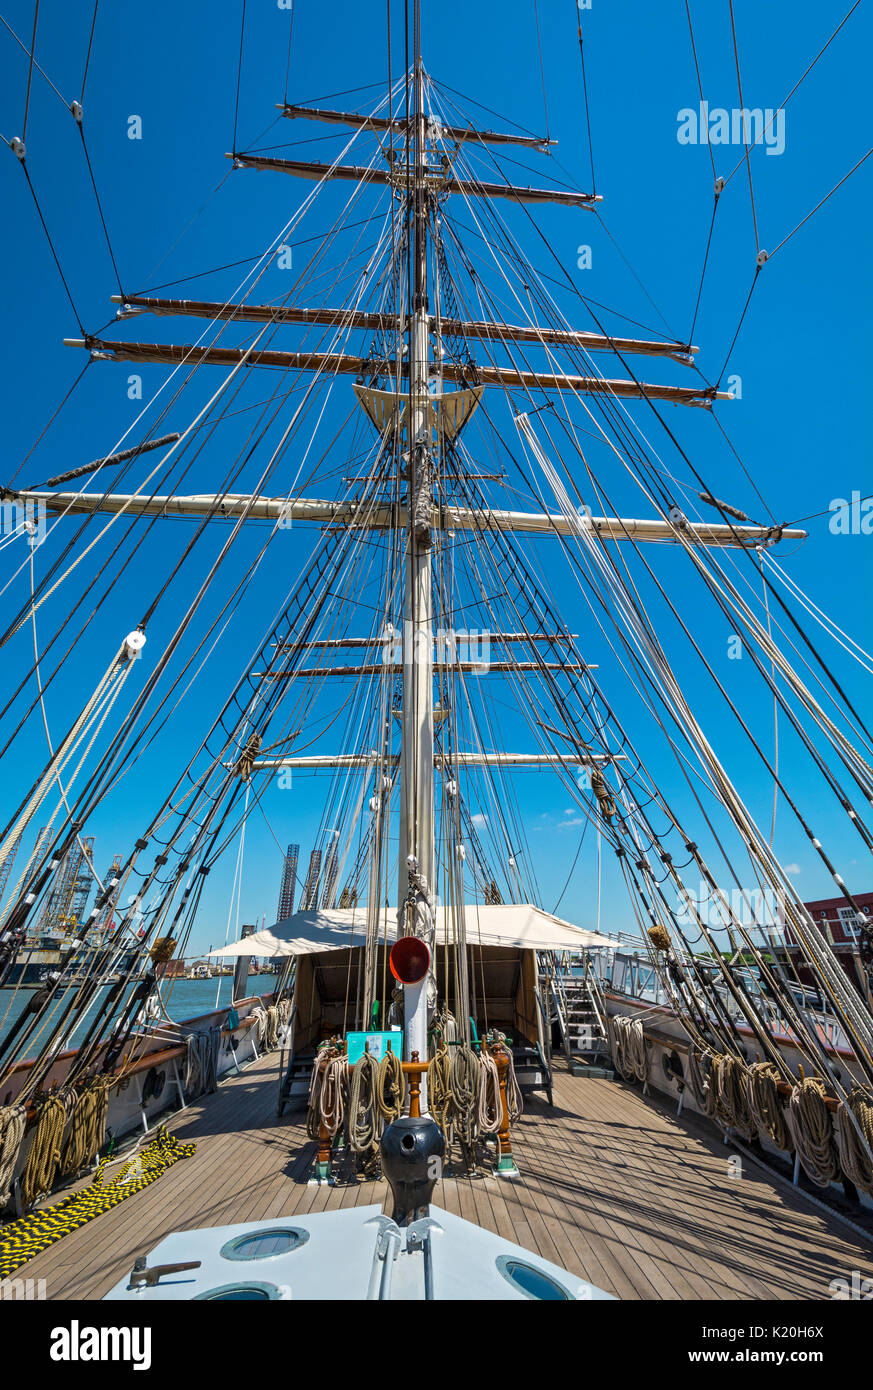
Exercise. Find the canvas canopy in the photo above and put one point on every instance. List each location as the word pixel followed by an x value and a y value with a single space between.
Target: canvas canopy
pixel 518 926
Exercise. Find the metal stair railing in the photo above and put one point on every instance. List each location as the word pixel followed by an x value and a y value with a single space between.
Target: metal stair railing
pixel 598 1003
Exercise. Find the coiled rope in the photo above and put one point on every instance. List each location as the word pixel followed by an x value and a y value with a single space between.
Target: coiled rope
pixel 765 1104
pixel 489 1112
pixel 269 1021
pixel 41 1167
pixel 23 1239
pixel 465 1092
pixel 259 1014
pixel 12 1118
pixel 809 1123
pixel 201 1062
pixel 88 1126
pixel 328 1092
pixel 854 1159
pixel 439 1089
pixel 514 1098
pixel 728 1093
pixel 362 1123
pixel 629 1047
pixel 390 1088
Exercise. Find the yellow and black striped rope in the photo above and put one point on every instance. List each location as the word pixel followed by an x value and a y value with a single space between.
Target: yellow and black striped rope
pixel 22 1239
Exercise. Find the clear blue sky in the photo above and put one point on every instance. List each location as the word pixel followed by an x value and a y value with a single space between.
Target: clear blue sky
pixel 801 427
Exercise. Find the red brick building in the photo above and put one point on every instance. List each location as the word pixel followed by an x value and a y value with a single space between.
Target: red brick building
pixel 839 922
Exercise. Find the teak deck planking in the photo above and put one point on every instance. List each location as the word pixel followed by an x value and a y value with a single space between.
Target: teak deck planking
pixel 612 1187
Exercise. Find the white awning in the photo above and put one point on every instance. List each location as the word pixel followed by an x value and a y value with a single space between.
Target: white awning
pixel 517 926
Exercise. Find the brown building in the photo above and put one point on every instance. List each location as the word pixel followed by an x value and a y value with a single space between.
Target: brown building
pixel 840 924
pixel 170 970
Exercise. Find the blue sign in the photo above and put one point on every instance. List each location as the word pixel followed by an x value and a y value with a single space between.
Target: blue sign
pixel 377 1044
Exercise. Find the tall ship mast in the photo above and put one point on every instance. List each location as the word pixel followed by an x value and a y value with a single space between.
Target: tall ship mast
pixel 331 581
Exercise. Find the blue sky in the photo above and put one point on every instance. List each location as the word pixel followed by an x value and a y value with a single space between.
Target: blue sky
pixel 801 427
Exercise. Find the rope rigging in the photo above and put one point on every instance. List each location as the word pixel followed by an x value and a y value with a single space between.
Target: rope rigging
pixel 271 703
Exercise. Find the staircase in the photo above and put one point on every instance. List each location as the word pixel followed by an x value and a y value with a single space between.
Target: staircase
pixel 532 1072
pixel 295 1071
pixel 581 1017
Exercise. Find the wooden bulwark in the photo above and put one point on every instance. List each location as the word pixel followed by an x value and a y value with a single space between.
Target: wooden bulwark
pixel 612 1187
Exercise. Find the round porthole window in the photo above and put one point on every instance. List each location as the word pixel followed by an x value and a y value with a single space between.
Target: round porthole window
pixel 240 1293
pixel 266 1244
pixel 532 1282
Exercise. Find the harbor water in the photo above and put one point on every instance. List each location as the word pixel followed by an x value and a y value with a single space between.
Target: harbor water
pixel 182 999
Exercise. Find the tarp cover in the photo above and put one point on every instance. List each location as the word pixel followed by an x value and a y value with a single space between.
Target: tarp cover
pixel 518 926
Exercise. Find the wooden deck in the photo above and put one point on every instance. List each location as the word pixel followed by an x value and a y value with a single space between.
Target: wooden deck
pixel 613 1188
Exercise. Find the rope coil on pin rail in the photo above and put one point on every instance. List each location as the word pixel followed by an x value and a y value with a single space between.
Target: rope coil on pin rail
pixel 489 1111
pixel 854 1158
pixel 490 1103
pixel 23 1239
pixel 514 1098
pixel 729 1095
pixel 629 1047
pixel 333 1094
pixel 40 1169
pixel 809 1123
pixel 765 1104
pixel 390 1088
pixel 87 1125
pixel 201 1061
pixel 464 1080
pixel 12 1122
pixel 328 1091
pixel 259 1015
pixel 362 1120
pixel 439 1088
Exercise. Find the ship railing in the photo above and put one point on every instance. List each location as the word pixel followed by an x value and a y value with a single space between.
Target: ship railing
pixel 624 972
pixel 622 969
